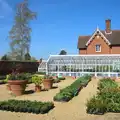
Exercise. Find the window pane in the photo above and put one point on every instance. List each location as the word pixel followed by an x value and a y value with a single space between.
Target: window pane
pixel 97 47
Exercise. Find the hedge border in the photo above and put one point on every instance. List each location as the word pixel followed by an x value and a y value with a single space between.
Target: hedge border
pixel 70 91
pixel 26 106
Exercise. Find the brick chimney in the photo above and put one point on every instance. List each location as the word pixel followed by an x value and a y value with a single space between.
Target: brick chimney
pixel 108 26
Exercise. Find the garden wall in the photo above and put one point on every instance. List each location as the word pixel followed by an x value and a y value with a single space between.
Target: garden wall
pixel 7 67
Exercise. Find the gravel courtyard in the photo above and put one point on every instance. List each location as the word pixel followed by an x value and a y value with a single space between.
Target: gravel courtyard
pixel 73 110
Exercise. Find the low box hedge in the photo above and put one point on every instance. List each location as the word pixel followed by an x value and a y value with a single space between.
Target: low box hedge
pixel 107 98
pixel 69 92
pixel 26 106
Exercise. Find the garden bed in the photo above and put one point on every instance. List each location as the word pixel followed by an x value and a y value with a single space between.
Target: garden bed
pixel 71 91
pixel 26 106
pixel 106 100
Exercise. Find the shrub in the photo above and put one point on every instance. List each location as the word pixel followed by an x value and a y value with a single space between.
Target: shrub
pixel 27 56
pixel 96 106
pixel 107 83
pixel 2 77
pixel 5 57
pixel 26 106
pixel 69 92
pixel 107 99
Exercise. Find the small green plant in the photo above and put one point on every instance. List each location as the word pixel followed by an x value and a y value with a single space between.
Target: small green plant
pixel 37 80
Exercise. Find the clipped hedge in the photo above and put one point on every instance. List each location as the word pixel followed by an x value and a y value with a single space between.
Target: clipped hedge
pixel 106 100
pixel 69 92
pixel 26 106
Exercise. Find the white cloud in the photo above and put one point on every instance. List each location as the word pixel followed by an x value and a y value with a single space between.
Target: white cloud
pixel 5 9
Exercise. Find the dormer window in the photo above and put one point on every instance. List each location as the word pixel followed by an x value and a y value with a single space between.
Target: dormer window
pixel 98 48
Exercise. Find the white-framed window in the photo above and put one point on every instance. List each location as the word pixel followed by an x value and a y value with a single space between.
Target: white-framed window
pixel 98 48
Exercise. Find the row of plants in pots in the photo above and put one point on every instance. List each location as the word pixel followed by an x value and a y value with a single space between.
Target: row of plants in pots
pixel 69 92
pixel 107 98
pixel 19 81
pixel 26 106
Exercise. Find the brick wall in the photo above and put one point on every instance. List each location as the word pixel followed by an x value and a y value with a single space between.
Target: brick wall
pixel 6 67
pixel 105 49
pixel 115 50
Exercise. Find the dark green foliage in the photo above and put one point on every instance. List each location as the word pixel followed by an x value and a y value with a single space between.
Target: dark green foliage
pixel 5 57
pixel 2 77
pixel 63 52
pixel 26 106
pixel 107 99
pixel 69 92
pixel 41 73
pixel 27 56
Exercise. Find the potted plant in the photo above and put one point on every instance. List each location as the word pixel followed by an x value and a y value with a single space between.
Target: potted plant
pixel 7 85
pixel 37 80
pixel 17 82
pixel 47 82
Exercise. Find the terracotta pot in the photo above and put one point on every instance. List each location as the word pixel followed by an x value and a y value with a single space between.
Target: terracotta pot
pixel 17 86
pixel 8 87
pixel 47 83
pixel 37 88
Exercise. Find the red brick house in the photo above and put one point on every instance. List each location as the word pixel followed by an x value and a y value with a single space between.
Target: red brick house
pixel 101 42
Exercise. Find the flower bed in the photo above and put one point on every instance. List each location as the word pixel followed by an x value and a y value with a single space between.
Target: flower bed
pixel 69 92
pixel 26 106
pixel 106 100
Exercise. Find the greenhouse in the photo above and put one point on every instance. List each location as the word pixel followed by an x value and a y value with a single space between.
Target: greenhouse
pixel 42 66
pixel 78 65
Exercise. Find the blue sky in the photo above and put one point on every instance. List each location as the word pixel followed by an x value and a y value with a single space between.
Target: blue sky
pixel 59 23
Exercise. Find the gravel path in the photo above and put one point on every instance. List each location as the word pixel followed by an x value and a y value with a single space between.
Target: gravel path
pixel 73 110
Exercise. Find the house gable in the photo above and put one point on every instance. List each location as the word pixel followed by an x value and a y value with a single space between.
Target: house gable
pixel 104 48
pixel 98 33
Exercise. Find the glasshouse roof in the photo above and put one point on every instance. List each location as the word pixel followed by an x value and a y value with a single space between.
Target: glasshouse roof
pixel 77 59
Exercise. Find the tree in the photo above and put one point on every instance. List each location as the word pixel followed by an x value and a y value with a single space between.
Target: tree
pixel 20 32
pixel 63 52
pixel 33 59
pixel 27 56
pixel 5 57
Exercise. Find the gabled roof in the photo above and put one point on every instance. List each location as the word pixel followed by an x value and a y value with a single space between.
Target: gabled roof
pixel 112 39
pixel 97 32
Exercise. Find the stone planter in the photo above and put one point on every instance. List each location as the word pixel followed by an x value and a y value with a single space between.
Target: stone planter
pixel 17 86
pixel 48 83
pixel 38 88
